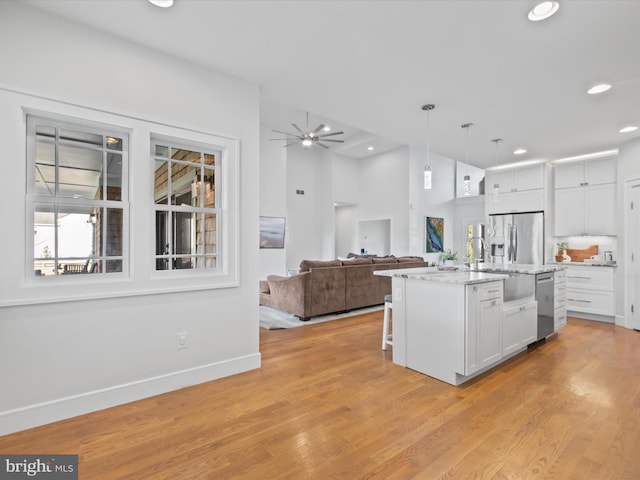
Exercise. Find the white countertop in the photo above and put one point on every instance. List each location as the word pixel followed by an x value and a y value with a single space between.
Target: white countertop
pixel 590 263
pixel 464 276
pixel 432 274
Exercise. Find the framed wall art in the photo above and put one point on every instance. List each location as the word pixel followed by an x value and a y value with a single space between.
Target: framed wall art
pixel 272 232
pixel 433 234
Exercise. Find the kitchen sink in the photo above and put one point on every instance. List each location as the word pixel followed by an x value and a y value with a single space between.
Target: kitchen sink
pixel 517 286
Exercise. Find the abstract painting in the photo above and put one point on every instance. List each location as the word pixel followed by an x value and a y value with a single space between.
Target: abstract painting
pixel 434 234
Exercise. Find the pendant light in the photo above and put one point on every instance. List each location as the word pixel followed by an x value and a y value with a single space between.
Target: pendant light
pixel 496 186
pixel 428 174
pixel 467 179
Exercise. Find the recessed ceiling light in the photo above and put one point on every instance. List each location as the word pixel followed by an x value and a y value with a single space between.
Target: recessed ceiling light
pixel 327 128
pixel 629 128
pixel 602 87
pixel 519 151
pixel 543 10
pixel 162 3
pixel 369 148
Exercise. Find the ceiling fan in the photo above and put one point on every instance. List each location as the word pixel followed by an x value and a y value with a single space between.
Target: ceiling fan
pixel 308 137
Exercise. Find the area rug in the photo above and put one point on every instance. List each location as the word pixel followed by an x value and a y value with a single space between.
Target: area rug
pixel 272 319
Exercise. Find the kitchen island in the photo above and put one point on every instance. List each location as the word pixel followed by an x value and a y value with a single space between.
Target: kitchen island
pixel 453 325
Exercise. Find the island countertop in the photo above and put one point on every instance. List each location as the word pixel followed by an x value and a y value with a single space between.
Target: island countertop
pixel 432 274
pixel 489 272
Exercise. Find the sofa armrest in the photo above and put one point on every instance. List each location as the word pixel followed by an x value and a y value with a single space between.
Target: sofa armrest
pixel 290 294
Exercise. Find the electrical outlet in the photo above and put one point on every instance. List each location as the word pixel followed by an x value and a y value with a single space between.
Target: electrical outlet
pixel 183 339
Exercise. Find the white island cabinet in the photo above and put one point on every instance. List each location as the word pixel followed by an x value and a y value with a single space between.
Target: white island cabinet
pixel 449 328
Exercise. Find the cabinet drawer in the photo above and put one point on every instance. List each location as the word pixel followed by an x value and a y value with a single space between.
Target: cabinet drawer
pixel 599 278
pixel 592 301
pixel 559 317
pixel 487 291
pixel 560 300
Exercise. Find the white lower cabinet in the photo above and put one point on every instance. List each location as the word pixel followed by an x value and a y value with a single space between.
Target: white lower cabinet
pixel 591 290
pixel 519 326
pixel 483 326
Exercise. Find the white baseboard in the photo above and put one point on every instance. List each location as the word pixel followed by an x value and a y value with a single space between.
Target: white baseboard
pixel 59 409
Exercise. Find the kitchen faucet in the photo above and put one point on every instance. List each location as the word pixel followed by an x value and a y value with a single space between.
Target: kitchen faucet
pixel 477 261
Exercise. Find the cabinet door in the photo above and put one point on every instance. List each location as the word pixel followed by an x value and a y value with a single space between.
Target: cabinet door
pixel 528 323
pixel 489 332
pixel 569 175
pixel 569 210
pixel 598 172
pixel 510 336
pixel 504 178
pixel 600 209
pixel 529 178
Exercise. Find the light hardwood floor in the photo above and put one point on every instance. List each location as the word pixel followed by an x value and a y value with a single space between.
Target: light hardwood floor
pixel 329 404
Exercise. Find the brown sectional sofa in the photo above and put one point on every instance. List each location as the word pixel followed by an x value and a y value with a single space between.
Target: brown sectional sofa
pixel 332 286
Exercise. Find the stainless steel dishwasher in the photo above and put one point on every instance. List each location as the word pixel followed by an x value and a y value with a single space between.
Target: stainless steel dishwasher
pixel 544 297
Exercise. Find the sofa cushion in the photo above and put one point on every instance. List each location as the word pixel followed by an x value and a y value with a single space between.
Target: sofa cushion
pixel 264 286
pixel 410 259
pixel 385 259
pixel 306 265
pixel 357 261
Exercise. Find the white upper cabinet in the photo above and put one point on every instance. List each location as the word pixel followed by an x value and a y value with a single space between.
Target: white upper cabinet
pixel 516 179
pixel 585 198
pixel 581 174
pixel 521 190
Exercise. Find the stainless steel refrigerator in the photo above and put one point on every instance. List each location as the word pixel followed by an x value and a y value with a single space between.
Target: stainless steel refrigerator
pixel 516 238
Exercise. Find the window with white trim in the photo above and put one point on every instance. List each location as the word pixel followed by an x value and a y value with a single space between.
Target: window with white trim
pixel 77 196
pixel 187 204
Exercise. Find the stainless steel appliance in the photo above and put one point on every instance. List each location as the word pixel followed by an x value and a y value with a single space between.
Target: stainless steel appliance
pixel 517 238
pixel 544 297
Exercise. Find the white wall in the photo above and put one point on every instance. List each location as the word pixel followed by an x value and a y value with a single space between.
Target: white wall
pixel 65 358
pixel 439 201
pixel 345 224
pixel 273 199
pixel 384 194
pixel 305 171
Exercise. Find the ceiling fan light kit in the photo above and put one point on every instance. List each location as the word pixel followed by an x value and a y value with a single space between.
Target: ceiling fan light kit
pixel 309 138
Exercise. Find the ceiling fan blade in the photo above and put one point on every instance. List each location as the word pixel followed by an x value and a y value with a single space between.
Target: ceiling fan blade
pixel 292 143
pixel 285 133
pixel 297 128
pixel 330 134
pixel 321 145
pixel 330 140
pixel 318 128
pixel 285 139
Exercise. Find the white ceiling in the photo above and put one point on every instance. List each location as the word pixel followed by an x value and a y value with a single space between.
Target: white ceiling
pixel 370 65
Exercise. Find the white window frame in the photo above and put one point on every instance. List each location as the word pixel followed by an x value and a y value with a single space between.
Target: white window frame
pixel 33 198
pixel 217 210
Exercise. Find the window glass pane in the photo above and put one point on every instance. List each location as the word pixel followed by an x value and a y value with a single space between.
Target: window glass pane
pixel 79 172
pixel 81 137
pixel 183 184
pixel 114 235
pixel 44 240
pixel 114 176
pixel 161 182
pixel 210 233
pixel 209 159
pixel 211 262
pixel 183 233
pixel 185 155
pixel 184 263
pixel 45 171
pixel 45 130
pixel 113 266
pixel 209 188
pixel 114 143
pixel 162 151
pixel 76 238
